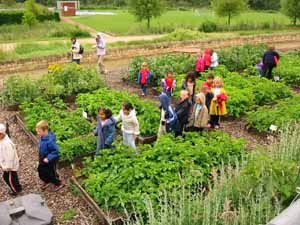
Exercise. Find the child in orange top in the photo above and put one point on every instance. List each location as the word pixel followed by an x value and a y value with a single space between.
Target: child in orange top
pixel 218 103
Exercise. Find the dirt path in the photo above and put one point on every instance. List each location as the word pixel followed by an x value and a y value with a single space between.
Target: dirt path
pixel 59 202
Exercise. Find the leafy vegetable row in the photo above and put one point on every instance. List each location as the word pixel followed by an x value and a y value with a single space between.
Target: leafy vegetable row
pixel 147 111
pixel 121 178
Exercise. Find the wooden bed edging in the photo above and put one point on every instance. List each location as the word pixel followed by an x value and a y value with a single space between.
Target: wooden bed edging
pixel 94 206
pixel 31 136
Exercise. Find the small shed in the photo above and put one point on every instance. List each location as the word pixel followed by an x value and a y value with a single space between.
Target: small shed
pixel 68 8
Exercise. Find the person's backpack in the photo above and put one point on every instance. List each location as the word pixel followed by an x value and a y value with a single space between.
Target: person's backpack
pixel 81 50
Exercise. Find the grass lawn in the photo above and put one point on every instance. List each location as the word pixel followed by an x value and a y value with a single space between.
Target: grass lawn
pixel 123 23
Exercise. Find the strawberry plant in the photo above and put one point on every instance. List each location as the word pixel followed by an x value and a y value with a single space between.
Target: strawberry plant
pixel 120 178
pixel 147 111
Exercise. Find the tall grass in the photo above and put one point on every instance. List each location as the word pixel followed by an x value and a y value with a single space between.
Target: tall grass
pixel 237 196
pixel 42 31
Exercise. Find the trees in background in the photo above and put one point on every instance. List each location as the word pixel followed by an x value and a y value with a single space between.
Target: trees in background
pixel 228 8
pixel 146 9
pixel 291 8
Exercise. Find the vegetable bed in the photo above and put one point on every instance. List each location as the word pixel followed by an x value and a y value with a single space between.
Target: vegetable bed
pixel 147 111
pixel 119 179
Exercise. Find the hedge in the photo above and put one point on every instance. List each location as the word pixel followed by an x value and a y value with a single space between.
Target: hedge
pixel 15 17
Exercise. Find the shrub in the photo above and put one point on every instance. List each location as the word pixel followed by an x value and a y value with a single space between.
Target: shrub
pixel 11 17
pixel 208 27
pixel 17 90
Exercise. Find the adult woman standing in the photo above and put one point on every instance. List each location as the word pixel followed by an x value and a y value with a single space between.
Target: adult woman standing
pixel 100 48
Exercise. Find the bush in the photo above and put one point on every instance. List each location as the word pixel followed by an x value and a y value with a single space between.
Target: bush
pixel 208 27
pixel 17 90
pixel 11 17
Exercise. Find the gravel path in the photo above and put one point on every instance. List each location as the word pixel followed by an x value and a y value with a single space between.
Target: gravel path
pixel 59 202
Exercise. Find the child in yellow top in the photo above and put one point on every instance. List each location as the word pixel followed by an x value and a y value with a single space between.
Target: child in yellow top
pixel 218 103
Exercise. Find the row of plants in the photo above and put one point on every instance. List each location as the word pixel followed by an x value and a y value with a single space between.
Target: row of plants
pixel 147 111
pixel 285 111
pixel 73 132
pixel 252 191
pixel 237 58
pixel 120 179
pixel 61 81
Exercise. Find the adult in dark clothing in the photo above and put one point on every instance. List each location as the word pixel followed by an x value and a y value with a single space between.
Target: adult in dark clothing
pixel 182 110
pixel 270 60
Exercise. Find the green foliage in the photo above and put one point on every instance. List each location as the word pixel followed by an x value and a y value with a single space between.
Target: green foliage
pixel 146 9
pixel 159 66
pixel 64 124
pixel 17 90
pixel 78 146
pixel 264 5
pixel 291 8
pixel 208 26
pixel 247 91
pixel 11 17
pixel 228 8
pixel 41 31
pixel 147 111
pixel 252 191
pixel 288 69
pixel 69 80
pixel 121 178
pixel 69 215
pixel 63 81
pixel 280 114
pixel 238 58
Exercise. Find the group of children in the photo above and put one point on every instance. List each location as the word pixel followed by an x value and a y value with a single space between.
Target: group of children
pixel 201 110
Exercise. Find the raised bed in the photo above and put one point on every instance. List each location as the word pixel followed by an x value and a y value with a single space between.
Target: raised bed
pixel 106 218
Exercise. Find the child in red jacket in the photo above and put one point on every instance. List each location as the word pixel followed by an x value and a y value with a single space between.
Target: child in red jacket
pixel 207 59
pixel 144 77
pixel 168 84
pixel 200 66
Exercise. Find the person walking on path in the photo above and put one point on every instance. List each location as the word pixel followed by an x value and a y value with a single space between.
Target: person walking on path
pixel 76 51
pixel 48 157
pixel 9 162
pixel 101 52
pixel 270 61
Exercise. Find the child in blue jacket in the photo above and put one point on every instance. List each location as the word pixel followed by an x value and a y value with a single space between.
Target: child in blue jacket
pixel 48 157
pixel 105 130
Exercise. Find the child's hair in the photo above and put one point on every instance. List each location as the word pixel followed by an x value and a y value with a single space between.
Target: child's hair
pixel 170 72
pixel 203 89
pixel 218 79
pixel 144 64
pixel 73 39
pixel 43 125
pixel 128 106
pixel 191 76
pixel 210 76
pixel 107 112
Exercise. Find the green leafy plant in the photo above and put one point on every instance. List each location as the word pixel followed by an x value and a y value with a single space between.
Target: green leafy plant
pixel 147 111
pixel 121 178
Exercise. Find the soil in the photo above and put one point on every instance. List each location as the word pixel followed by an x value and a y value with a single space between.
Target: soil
pixel 59 202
